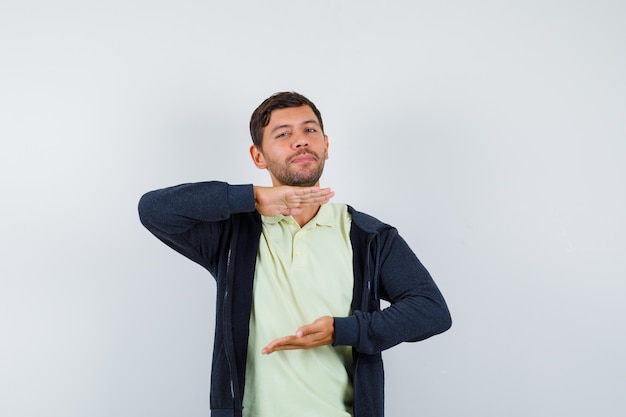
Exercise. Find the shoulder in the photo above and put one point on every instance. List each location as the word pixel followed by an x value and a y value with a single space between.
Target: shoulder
pixel 366 222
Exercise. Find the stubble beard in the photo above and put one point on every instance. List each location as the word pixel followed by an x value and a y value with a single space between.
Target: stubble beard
pixel 303 177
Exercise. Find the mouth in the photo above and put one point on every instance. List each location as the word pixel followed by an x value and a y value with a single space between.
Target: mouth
pixel 302 158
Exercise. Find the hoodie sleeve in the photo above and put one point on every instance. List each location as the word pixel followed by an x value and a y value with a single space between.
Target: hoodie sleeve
pixel 190 217
pixel 417 309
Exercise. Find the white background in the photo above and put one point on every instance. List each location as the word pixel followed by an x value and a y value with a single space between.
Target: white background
pixel 491 133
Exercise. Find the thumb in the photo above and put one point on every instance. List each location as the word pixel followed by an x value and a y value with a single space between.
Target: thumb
pixel 290 211
pixel 309 328
pixel 305 330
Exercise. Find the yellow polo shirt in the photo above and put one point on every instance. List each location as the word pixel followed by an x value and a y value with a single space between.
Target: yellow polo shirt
pixel 301 274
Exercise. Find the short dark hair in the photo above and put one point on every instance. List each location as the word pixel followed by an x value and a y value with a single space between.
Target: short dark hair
pixel 261 115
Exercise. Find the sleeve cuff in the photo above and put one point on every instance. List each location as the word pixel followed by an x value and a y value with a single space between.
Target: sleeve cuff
pixel 346 331
pixel 241 198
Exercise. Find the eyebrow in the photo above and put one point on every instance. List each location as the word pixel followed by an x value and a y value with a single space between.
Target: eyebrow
pixel 306 122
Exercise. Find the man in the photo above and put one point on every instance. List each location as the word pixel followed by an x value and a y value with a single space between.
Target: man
pixel 299 330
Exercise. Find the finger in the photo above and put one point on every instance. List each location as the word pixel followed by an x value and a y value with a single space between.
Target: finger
pixel 279 344
pixel 310 199
pixel 287 346
pixel 312 192
pixel 303 191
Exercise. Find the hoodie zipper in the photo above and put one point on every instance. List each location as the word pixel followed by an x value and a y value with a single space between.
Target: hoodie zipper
pixel 371 277
pixel 225 322
pixel 370 285
pixel 228 333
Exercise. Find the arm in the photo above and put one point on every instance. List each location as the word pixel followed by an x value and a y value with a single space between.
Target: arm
pixel 190 217
pixel 417 310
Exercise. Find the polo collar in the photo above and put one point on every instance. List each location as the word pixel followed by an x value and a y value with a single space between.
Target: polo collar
pixel 324 217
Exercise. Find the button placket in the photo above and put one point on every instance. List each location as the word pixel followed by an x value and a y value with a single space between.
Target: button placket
pixel 298 248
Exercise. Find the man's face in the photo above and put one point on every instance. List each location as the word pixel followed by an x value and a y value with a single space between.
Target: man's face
pixel 294 147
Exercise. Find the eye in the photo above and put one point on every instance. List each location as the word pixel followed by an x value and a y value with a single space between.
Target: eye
pixel 282 134
pixel 311 130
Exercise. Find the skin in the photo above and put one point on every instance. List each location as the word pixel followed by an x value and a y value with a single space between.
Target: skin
pixel 294 149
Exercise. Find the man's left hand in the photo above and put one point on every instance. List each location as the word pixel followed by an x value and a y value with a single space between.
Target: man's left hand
pixel 319 333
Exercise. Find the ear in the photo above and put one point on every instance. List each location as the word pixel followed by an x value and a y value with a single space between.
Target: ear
pixel 326 147
pixel 257 157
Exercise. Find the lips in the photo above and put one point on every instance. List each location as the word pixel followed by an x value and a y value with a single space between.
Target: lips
pixel 303 157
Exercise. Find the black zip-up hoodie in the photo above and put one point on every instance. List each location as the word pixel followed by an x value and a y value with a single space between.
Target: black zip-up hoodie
pixel 216 225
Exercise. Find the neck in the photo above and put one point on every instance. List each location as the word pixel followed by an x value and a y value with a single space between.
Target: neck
pixel 306 215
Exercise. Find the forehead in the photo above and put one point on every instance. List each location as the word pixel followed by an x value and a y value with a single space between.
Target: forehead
pixel 291 116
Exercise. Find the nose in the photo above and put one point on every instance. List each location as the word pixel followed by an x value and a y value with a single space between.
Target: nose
pixel 300 141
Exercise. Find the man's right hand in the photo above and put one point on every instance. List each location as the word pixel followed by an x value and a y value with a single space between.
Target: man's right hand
pixel 287 200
